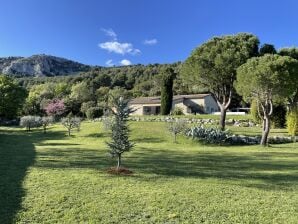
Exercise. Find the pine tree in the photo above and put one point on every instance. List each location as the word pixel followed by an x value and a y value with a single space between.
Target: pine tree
pixel 120 142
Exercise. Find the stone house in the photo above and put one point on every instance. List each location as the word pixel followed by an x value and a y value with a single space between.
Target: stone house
pixel 190 104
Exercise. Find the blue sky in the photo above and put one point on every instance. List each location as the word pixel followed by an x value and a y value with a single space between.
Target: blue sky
pixel 111 32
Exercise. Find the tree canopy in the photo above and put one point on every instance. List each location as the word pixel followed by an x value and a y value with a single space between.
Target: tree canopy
pixel 213 65
pixel 267 49
pixel 12 97
pixel 267 79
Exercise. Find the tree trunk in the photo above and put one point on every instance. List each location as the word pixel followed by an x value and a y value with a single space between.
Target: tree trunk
pixel 175 138
pixel 119 161
pixel 222 121
pixel 69 132
pixel 265 131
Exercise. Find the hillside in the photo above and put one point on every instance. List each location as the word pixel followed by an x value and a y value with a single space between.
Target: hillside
pixel 40 65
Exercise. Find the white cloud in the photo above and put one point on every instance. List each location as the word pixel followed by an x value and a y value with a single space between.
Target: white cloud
pixel 119 48
pixel 125 62
pixel 109 63
pixel 110 32
pixel 150 42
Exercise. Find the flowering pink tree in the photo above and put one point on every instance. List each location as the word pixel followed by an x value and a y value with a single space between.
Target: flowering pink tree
pixel 55 108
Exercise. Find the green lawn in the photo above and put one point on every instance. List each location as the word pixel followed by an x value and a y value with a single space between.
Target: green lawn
pixel 53 178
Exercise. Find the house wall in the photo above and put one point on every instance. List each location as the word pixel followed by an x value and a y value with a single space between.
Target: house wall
pixel 210 105
pixel 139 108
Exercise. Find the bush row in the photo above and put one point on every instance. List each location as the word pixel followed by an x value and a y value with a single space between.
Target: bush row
pixel 216 136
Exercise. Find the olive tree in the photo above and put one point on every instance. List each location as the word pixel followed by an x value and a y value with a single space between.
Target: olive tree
pixel 45 122
pixel 29 122
pixel 267 79
pixel 177 127
pixel 71 123
pixel 213 66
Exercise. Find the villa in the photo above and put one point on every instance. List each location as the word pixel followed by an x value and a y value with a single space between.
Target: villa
pixel 189 104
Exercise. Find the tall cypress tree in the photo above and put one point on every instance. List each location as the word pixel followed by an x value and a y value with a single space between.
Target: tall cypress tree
pixel 168 76
pixel 120 142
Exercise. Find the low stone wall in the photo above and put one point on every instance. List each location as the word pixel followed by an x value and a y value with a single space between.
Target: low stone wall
pixel 201 121
pixel 254 140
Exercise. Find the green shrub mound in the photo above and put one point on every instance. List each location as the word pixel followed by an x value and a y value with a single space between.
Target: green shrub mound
pixel 292 122
pixel 177 111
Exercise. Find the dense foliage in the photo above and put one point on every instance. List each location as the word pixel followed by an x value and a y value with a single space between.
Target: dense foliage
pixel 12 97
pixel 213 66
pixel 95 88
pixel 267 79
pixel 292 122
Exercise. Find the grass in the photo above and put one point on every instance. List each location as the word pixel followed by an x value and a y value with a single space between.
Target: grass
pixel 54 178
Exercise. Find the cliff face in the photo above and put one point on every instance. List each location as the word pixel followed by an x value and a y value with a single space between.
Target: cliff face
pixel 40 65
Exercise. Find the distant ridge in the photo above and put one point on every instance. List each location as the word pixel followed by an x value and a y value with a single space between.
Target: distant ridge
pixel 40 65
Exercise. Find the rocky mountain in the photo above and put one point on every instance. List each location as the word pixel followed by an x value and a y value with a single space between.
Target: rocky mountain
pixel 40 65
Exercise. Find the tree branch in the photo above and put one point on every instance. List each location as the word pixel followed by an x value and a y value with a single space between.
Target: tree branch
pixel 229 100
pixel 271 108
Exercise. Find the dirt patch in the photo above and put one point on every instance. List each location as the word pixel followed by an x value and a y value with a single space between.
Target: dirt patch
pixel 120 171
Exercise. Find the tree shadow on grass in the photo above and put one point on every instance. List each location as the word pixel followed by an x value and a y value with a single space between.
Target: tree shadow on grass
pixel 17 154
pixel 98 135
pixel 148 140
pixel 265 170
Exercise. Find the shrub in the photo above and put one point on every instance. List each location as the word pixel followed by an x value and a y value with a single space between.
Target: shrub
pixel 29 122
pixel 292 122
pixel 208 135
pixel 71 123
pixel 177 111
pixel 177 127
pixel 93 112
